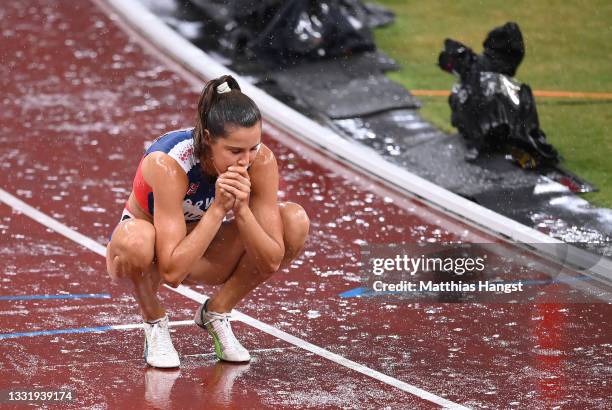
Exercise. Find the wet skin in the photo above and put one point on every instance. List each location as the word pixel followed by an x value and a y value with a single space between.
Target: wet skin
pixel 238 255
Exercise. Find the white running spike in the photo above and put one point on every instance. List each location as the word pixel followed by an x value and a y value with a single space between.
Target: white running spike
pixel 158 348
pixel 227 347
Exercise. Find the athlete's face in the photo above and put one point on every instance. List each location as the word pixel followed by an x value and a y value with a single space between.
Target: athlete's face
pixel 238 148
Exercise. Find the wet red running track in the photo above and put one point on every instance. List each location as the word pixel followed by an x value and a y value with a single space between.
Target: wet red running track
pixel 80 98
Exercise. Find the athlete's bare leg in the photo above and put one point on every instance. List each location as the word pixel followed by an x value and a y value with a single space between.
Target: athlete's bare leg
pixel 240 277
pixel 130 256
pixel 129 259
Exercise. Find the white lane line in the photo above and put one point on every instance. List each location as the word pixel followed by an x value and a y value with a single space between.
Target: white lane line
pixel 81 330
pixel 141 325
pixel 18 205
pixel 94 246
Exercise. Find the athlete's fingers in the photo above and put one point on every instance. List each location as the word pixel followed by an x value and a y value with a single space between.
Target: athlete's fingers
pixel 231 199
pixel 243 178
pixel 237 176
pixel 222 179
pixel 228 195
pixel 239 169
pixel 232 189
pixel 236 184
pixel 240 195
pixel 226 199
pixel 221 192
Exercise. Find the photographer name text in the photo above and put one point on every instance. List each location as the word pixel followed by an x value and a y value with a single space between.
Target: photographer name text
pixel 455 286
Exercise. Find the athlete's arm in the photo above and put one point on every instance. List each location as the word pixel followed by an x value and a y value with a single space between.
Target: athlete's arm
pixel 258 218
pixel 175 250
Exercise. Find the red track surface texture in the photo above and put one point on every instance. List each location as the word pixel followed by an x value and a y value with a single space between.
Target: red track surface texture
pixel 79 99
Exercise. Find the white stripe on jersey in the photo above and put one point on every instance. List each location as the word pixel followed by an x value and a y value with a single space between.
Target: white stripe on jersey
pixel 183 154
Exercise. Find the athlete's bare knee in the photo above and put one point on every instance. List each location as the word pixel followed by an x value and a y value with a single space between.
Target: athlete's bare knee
pixel 134 248
pixel 296 225
pixel 139 247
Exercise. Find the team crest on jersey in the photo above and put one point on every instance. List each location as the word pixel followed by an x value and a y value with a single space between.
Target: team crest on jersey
pixel 193 188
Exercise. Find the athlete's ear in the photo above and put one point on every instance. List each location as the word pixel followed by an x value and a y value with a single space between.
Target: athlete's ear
pixel 207 138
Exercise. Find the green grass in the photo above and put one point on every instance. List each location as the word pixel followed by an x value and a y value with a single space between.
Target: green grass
pixel 568 48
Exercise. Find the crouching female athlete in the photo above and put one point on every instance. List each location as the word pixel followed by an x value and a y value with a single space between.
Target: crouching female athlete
pixel 173 229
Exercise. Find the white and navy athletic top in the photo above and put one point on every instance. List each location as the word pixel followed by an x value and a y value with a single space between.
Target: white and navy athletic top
pixel 201 189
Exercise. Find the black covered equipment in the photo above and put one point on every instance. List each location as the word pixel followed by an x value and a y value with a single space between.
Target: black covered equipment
pixel 491 110
pixel 292 30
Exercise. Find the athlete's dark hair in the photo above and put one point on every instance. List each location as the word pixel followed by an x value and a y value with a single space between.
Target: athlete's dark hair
pixel 217 110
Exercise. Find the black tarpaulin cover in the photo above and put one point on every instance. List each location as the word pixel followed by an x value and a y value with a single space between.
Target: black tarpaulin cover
pixel 491 109
pixel 294 30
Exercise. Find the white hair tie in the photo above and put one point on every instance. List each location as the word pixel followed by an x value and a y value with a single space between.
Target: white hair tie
pixel 223 88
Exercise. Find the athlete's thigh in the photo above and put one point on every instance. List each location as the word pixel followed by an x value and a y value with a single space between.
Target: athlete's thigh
pixel 221 257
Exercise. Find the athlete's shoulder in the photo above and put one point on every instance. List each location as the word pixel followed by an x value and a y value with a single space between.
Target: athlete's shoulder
pixel 265 157
pixel 160 163
pixel 264 169
pixel 166 142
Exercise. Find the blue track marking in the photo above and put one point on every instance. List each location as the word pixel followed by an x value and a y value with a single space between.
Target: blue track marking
pixel 56 332
pixel 74 296
pixel 354 292
pixel 365 292
pixel 98 329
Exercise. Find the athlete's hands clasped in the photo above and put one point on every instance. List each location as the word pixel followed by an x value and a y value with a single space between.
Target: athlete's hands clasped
pixel 236 183
pixel 223 198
